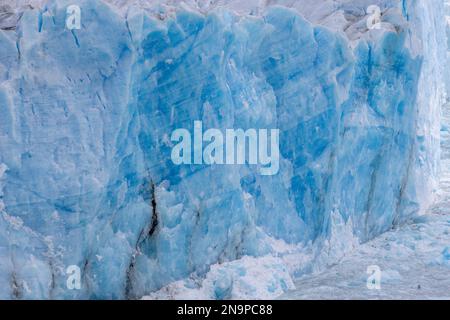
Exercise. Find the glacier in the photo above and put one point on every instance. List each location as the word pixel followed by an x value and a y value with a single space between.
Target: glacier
pixel 413 259
pixel 86 177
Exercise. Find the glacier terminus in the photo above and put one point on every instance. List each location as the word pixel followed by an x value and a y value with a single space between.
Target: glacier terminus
pixel 321 125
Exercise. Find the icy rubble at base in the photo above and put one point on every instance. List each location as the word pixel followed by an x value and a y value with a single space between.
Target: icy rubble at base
pixel 414 261
pixel 246 278
pixel 89 182
pixel 264 277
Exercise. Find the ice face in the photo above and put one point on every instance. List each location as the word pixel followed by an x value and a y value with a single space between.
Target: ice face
pixel 86 117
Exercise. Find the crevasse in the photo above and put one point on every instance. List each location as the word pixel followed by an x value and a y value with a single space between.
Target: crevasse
pixel 86 177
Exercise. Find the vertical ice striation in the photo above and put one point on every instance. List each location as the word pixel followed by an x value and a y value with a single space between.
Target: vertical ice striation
pixel 86 177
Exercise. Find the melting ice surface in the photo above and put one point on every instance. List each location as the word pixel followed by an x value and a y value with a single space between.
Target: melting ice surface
pixel 86 177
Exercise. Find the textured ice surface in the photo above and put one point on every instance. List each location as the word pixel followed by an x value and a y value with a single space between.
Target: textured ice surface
pixel 414 260
pixel 265 278
pixel 86 117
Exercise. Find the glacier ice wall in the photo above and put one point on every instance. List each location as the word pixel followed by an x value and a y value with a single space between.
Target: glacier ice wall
pixel 86 177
